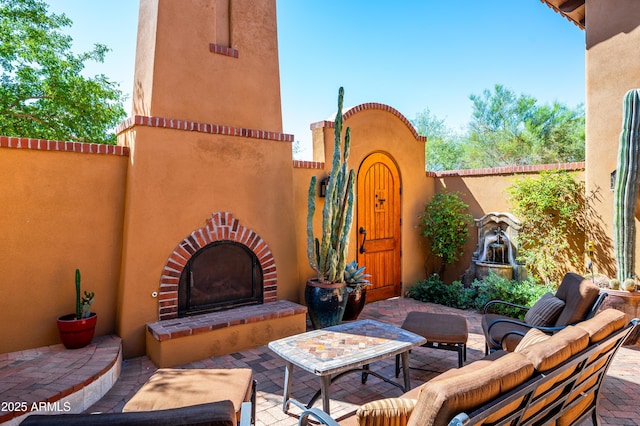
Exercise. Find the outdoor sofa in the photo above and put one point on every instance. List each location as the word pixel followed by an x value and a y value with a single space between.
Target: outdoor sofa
pixel 546 380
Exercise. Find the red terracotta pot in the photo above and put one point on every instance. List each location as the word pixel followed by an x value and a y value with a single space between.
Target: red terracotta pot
pixel 75 333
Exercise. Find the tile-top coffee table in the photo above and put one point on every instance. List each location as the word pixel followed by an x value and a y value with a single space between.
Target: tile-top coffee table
pixel 343 349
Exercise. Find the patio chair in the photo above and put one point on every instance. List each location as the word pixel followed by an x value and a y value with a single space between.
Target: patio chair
pixel 576 299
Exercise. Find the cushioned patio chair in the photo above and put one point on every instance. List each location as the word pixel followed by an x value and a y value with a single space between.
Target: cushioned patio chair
pixel 575 300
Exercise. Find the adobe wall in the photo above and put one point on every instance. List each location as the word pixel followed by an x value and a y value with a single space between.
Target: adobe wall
pixel 484 191
pixel 612 68
pixel 62 209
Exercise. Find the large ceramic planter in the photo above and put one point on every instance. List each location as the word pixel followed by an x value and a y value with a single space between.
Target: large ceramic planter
pixel 325 302
pixel 355 304
pixel 76 333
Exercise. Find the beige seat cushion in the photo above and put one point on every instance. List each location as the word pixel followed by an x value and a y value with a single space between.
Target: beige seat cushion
pixel 549 353
pixel 442 398
pixel 384 412
pixel 532 337
pixel 174 388
pixel 603 324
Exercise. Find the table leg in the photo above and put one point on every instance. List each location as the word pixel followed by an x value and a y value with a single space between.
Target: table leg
pixel 288 373
pixel 405 370
pixel 324 390
pixel 364 374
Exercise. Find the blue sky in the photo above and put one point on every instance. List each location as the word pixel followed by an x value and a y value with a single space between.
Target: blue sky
pixel 411 54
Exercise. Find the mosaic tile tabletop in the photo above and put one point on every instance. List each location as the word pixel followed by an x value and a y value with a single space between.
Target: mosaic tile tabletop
pixel 344 346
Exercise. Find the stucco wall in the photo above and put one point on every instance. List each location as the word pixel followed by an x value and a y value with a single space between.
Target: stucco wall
pixel 484 191
pixel 612 68
pixel 61 210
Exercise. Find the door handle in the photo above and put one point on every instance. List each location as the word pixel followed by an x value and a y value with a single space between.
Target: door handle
pixel 364 239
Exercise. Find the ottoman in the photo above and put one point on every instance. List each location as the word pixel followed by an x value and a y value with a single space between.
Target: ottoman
pixel 174 388
pixel 442 331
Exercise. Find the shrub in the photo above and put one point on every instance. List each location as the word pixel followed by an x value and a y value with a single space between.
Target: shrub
pixel 493 287
pixel 552 210
pixel 434 290
pixel 445 224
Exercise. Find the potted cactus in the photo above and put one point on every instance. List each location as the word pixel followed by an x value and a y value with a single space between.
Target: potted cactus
pixel 357 284
pixel 326 294
pixel 77 329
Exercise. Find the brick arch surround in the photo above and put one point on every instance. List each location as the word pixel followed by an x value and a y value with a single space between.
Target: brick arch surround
pixel 221 226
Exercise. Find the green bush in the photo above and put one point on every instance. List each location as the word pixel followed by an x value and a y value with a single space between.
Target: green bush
pixel 445 223
pixel 551 207
pixel 434 290
pixel 493 287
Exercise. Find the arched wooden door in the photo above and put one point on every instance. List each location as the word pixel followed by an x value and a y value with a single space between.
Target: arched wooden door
pixel 378 225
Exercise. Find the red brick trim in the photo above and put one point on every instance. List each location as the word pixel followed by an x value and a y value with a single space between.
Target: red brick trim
pixel 536 168
pixel 223 50
pixel 371 105
pixel 49 145
pixel 193 126
pixel 222 226
pixel 301 164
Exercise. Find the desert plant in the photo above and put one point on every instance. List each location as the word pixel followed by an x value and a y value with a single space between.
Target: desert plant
pixel 614 284
pixel 83 303
pixel 629 284
pixel 552 210
pixel 627 180
pixel 329 256
pixel 355 277
pixel 445 224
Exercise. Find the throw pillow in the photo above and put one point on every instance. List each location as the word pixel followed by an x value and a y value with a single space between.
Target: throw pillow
pixel 545 312
pixel 532 337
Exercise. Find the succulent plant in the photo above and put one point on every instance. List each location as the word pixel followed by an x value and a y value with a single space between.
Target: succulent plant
pixel 329 256
pixel 629 284
pixel 614 284
pixel 83 303
pixel 626 186
pixel 355 277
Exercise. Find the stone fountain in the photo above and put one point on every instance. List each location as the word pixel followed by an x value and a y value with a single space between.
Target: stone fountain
pixel 497 248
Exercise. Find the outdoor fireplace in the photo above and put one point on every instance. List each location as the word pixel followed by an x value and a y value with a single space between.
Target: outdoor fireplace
pixel 222 275
pixel 222 265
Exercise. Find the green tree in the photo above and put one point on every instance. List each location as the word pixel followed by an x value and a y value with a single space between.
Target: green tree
pixel 443 150
pixel 445 223
pixel 42 92
pixel 506 129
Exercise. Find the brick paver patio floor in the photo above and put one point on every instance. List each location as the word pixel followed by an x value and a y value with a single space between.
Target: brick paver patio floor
pixel 619 402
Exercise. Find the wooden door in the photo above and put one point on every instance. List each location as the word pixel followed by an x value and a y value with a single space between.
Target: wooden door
pixel 378 225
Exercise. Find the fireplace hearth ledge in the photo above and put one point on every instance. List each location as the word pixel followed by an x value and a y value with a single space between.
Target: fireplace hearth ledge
pixel 183 340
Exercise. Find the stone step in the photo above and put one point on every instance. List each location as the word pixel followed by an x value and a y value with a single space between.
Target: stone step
pixel 53 379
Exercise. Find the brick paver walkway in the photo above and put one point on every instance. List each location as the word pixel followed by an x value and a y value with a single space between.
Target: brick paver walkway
pixel 619 404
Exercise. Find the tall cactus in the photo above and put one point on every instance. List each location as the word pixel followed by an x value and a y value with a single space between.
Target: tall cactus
pixel 626 186
pixel 328 257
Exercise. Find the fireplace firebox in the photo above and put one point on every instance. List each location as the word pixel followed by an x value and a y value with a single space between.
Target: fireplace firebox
pixel 221 275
